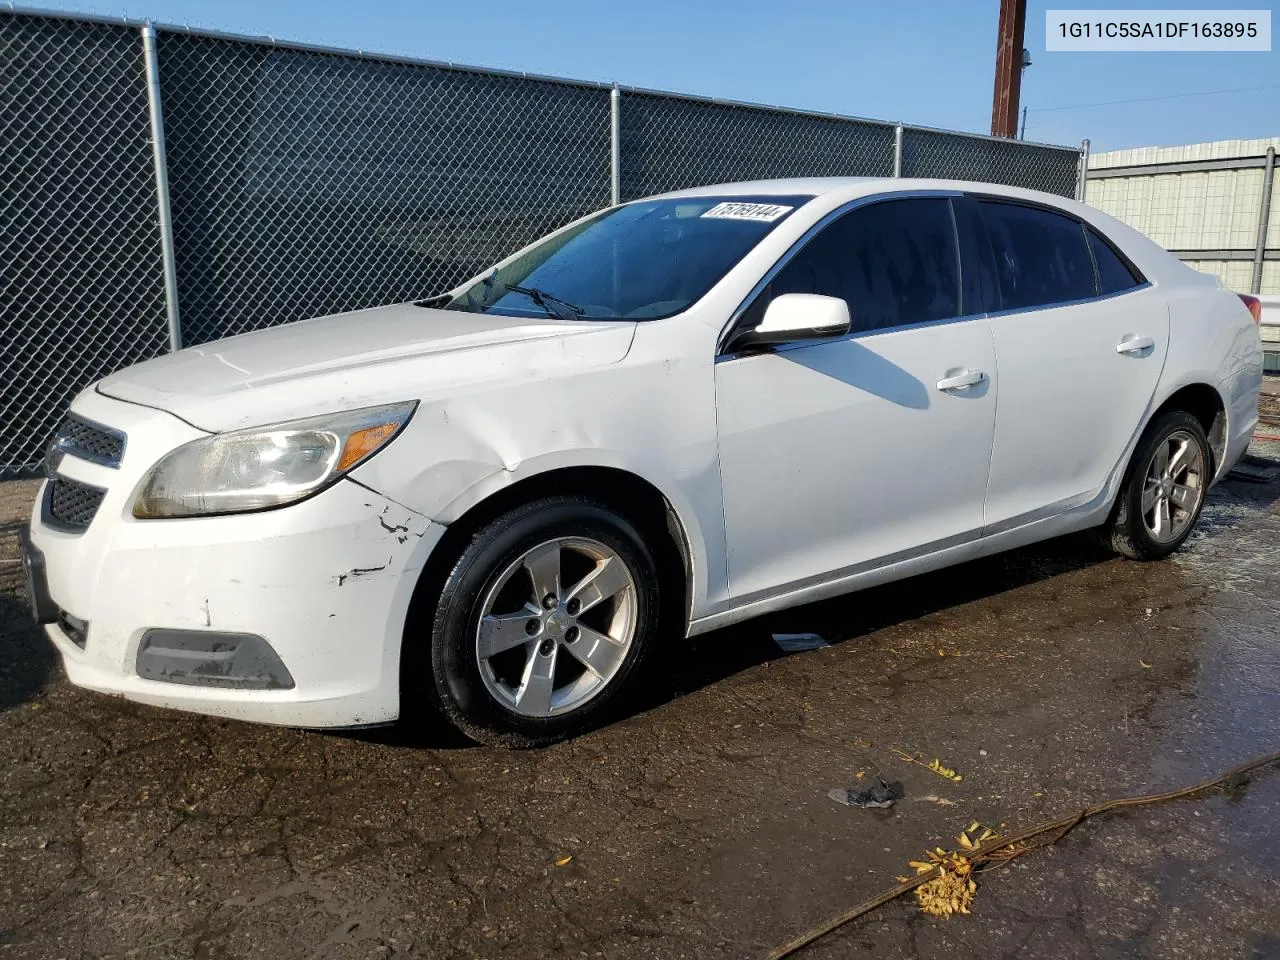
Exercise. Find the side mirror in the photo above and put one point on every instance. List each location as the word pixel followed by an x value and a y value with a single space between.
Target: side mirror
pixel 798 316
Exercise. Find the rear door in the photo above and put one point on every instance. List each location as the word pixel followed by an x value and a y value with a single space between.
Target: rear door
pixel 1080 341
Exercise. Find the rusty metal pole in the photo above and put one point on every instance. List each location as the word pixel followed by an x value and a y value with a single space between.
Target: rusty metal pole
pixel 1004 102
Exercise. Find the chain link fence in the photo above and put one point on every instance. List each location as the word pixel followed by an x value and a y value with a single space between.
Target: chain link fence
pixel 669 143
pixel 82 281
pixel 959 156
pixel 304 181
pixel 307 183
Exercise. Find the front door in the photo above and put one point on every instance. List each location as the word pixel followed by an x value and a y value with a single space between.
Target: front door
pixel 843 455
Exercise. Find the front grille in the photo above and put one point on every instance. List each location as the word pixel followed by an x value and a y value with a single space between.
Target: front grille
pixel 70 504
pixel 90 441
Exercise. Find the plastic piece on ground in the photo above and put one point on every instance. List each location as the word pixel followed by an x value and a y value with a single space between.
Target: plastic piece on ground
pixel 879 794
pixel 798 642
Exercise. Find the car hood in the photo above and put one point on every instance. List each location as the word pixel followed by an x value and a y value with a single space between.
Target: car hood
pixel 357 359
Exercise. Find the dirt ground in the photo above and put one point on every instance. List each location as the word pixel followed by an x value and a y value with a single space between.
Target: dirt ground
pixel 1050 678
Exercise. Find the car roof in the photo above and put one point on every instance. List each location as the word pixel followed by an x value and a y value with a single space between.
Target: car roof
pixel 852 187
pixel 1154 261
pixel 786 186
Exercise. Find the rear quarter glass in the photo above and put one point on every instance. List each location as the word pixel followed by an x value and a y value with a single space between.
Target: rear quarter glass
pixel 1114 273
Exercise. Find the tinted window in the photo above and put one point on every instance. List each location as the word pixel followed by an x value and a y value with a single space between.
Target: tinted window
pixel 1041 257
pixel 1114 274
pixel 980 292
pixel 894 263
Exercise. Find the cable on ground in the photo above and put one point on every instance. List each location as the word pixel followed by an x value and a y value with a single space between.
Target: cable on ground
pixel 1005 848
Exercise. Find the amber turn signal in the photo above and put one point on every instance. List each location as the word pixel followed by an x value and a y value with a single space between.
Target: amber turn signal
pixel 361 443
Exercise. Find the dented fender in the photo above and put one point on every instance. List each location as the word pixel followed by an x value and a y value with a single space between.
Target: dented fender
pixel 650 415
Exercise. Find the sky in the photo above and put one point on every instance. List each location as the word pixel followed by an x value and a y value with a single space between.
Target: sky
pixel 929 62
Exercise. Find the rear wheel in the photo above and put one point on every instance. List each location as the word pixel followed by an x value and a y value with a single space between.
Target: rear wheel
pixel 1163 491
pixel 544 623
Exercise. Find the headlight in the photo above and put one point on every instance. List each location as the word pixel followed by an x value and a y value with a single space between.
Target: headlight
pixel 265 466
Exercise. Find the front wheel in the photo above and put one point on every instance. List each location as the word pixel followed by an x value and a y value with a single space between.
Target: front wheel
pixel 544 622
pixel 1163 490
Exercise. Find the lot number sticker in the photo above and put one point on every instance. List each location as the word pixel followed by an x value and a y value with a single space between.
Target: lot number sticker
pixel 759 212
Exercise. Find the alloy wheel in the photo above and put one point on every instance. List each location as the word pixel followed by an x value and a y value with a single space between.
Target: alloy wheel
pixel 1173 487
pixel 556 625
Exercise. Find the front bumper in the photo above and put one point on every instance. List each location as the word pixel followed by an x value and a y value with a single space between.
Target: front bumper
pixel 326 583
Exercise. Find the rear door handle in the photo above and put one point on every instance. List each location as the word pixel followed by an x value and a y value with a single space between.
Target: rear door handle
pixel 1132 344
pixel 961 380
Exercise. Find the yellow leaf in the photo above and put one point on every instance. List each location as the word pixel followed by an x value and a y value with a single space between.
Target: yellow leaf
pixel 1144 665
pixel 936 766
pixel 564 860
pixel 965 841
pixel 973 826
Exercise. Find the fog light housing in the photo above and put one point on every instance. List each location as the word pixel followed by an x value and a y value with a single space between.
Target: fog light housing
pixel 240 661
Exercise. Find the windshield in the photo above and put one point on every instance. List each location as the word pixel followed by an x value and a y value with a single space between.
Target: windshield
pixel 643 261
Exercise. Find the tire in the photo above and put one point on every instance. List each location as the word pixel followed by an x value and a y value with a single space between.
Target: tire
pixel 499 699
pixel 1134 533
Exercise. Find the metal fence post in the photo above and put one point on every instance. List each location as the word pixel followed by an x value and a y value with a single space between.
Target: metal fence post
pixel 1083 179
pixel 897 150
pixel 615 146
pixel 1264 217
pixel 162 185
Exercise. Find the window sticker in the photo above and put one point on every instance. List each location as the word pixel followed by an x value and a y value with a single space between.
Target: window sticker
pixel 759 212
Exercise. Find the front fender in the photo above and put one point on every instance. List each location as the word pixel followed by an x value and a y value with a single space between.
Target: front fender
pixel 495 481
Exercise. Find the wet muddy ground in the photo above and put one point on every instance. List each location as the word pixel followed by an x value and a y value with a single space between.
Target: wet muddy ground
pixel 1049 678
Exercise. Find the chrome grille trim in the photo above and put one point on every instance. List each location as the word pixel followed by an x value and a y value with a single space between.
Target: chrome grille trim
pixel 86 440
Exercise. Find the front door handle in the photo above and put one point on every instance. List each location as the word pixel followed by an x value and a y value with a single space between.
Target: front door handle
pixel 1132 344
pixel 967 378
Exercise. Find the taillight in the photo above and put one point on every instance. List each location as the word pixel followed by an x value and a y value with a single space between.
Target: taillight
pixel 1253 305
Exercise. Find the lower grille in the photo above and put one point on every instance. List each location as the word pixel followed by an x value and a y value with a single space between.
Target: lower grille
pixel 70 504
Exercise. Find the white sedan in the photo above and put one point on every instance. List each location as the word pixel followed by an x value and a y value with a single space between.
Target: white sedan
pixel 666 417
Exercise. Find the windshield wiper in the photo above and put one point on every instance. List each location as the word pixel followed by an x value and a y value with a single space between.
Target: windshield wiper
pixel 439 300
pixel 556 308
